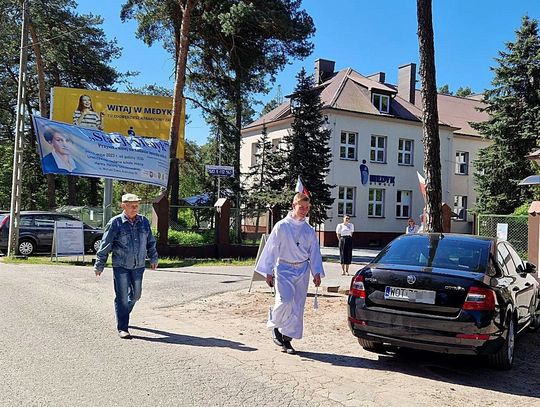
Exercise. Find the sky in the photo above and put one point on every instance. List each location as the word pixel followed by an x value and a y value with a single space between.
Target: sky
pixel 365 35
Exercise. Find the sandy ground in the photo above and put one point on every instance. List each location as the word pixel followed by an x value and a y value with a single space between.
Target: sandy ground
pixel 332 369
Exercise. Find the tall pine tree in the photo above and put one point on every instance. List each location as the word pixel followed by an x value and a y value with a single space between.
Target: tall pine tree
pixel 513 106
pixel 309 154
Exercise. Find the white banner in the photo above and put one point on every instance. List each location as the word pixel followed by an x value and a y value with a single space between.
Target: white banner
pixel 68 238
pixel 73 150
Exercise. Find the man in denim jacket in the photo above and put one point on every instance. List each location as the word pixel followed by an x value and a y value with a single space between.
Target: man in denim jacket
pixel 130 239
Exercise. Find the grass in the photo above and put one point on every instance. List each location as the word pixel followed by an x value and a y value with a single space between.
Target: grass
pixel 165 262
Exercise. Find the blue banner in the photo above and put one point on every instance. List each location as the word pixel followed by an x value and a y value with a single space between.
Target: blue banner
pixel 72 150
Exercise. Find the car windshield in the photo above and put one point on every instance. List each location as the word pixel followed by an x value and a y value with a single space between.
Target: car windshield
pixel 466 254
pixel 2 217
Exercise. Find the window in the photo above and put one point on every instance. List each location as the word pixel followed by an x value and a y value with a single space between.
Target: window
pixel 460 206
pixel 403 204
pixel 462 162
pixel 254 153
pixel 378 149
pixel 347 145
pixel 405 152
pixel 376 202
pixel 346 201
pixel 381 102
pixel 276 144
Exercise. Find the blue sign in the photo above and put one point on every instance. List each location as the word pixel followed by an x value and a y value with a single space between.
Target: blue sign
pixel 67 149
pixel 220 170
pixel 382 179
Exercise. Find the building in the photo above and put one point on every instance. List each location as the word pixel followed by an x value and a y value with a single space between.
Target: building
pixel 377 150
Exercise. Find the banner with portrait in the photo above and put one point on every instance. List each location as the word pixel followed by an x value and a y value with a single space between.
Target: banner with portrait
pixel 115 112
pixel 73 150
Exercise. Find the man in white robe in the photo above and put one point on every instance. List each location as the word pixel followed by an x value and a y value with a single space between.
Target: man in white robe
pixel 291 252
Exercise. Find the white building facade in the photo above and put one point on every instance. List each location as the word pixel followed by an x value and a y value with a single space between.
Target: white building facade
pixel 376 143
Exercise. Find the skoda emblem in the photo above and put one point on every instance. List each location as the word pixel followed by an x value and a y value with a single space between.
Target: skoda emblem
pixel 411 279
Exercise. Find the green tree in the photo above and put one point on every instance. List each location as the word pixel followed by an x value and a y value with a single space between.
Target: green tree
pixel 444 90
pixel 513 105
pixel 72 50
pixel 309 155
pixel 464 91
pixel 430 118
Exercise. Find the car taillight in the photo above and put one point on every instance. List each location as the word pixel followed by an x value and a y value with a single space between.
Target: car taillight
pixel 479 299
pixel 357 287
pixel 4 222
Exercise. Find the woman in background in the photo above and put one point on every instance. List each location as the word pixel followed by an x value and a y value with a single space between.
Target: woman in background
pixel 344 232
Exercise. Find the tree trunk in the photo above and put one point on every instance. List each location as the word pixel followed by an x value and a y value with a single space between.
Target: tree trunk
pixel 181 60
pixel 430 118
pixel 72 190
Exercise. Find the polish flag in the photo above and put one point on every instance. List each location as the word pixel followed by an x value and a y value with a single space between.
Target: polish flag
pixel 422 182
pixel 300 187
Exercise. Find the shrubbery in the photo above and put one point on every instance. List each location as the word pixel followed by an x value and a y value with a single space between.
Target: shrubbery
pixel 191 238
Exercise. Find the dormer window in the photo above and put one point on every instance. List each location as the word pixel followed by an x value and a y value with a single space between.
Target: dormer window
pixel 381 102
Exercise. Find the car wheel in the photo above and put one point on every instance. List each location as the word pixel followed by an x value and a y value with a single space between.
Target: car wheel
pixel 95 245
pixel 503 359
pixel 26 247
pixel 370 345
pixel 535 321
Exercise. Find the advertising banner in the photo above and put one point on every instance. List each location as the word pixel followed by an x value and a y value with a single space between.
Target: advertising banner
pixel 114 112
pixel 68 238
pixel 67 149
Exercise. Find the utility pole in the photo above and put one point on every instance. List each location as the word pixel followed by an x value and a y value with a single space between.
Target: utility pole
pixel 219 164
pixel 16 183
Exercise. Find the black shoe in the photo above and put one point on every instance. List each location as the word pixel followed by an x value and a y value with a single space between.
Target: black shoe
pixel 277 337
pixel 287 347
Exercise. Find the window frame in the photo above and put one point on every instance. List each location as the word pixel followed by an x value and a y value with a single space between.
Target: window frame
pixel 374 149
pixel 459 208
pixel 347 146
pixel 464 162
pixel 399 204
pixel 374 202
pixel 402 152
pixel 342 210
pixel 379 105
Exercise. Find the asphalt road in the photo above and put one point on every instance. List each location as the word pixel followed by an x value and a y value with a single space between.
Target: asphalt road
pixel 59 347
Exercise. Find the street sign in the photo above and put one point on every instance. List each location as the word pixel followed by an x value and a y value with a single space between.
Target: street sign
pixel 220 170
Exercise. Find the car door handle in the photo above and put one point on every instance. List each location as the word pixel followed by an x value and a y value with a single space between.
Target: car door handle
pixel 515 289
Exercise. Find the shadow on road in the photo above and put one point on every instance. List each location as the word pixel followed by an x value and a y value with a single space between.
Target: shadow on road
pixel 179 339
pixel 471 371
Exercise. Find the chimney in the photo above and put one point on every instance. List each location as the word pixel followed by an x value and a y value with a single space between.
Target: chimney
pixel 379 77
pixel 407 82
pixel 324 69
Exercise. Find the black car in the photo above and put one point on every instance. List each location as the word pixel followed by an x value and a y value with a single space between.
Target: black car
pixel 448 293
pixel 36 229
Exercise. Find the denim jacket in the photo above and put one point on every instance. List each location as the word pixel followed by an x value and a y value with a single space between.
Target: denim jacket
pixel 130 243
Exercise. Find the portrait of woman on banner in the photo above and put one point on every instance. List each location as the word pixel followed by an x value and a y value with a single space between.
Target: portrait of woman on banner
pixel 60 159
pixel 86 116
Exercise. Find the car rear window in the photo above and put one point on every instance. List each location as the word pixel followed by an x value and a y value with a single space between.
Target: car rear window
pixel 431 251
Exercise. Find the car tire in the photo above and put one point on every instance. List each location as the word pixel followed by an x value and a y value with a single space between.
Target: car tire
pixel 26 247
pixel 95 245
pixel 370 345
pixel 504 357
pixel 535 321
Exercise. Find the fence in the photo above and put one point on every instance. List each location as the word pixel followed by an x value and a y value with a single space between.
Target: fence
pixel 93 216
pixel 517 230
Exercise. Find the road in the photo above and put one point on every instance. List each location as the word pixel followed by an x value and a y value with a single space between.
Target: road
pixel 200 340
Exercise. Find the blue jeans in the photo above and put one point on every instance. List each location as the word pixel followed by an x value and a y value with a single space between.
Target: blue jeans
pixel 128 290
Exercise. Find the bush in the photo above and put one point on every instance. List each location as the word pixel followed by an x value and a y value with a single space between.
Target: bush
pixel 190 238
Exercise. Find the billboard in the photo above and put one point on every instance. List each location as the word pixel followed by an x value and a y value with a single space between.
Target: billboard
pixel 73 150
pixel 114 112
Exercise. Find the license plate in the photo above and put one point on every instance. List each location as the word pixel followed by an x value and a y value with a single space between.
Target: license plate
pixel 409 295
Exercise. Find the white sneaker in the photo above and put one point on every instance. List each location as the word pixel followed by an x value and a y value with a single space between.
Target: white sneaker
pixel 124 334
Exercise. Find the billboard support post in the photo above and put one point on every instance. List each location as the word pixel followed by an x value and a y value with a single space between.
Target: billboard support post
pixel 107 200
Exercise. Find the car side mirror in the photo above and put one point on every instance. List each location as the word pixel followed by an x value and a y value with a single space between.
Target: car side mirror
pixel 529 267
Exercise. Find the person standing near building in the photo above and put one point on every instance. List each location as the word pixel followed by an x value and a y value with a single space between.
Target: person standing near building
pixel 412 227
pixel 344 232
pixel 129 237
pixel 291 253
